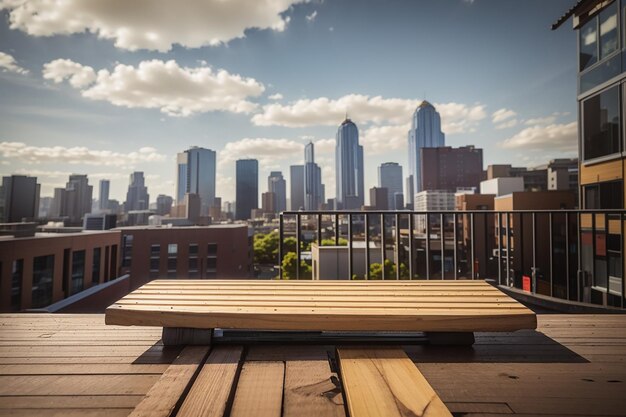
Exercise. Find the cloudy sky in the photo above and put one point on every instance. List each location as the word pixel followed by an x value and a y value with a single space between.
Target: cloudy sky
pixel 106 87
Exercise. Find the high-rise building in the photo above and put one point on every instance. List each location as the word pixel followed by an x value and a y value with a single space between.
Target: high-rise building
pixel 313 188
pixel 296 185
pixel 137 197
pixel 201 167
pixel 276 184
pixel 447 168
pixel 410 192
pixel 379 198
pixel 181 177
pixel 73 201
pixel 164 204
pixel 349 175
pixel 19 198
pixel 247 188
pixel 390 177
pixel 103 202
pixel 268 202
pixel 425 133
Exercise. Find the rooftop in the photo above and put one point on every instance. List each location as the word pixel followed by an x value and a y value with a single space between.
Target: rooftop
pixel 75 365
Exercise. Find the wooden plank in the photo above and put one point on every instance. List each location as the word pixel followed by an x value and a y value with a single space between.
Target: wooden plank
pixel 259 390
pixel 384 382
pixel 76 384
pixel 162 398
pixel 75 412
pixel 212 389
pixel 81 369
pixel 68 401
pixel 311 390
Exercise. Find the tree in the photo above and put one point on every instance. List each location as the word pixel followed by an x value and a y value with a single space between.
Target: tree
pixel 266 248
pixel 331 242
pixel 376 270
pixel 289 265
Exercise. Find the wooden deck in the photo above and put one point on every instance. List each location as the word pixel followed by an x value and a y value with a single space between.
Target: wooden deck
pixel 440 306
pixel 75 365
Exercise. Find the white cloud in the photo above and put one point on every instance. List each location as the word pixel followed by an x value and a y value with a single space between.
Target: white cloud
pixel 324 146
pixel 145 24
pixel 548 120
pixel 550 138
pixel 311 17
pixel 507 125
pixel 502 115
pixel 8 64
pixel 363 109
pixel 276 96
pixel 164 85
pixel 267 151
pixel 78 155
pixel 380 139
pixel 78 75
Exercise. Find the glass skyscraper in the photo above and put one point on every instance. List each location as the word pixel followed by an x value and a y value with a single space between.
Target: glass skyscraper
pixel 313 194
pixel 247 188
pixel 350 191
pixel 425 133
pixel 200 169
pixel 276 184
pixel 390 177
pixel 296 183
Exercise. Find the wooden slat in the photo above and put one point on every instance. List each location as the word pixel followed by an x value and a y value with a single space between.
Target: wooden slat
pixel 311 390
pixel 384 382
pixel 259 390
pixel 212 389
pixel 166 392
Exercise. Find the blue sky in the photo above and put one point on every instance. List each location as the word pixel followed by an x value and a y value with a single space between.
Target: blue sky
pixel 108 87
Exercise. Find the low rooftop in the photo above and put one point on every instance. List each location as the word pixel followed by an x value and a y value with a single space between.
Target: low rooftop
pixel 71 365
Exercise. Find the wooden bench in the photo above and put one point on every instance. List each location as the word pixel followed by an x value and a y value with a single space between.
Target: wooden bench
pixel 448 311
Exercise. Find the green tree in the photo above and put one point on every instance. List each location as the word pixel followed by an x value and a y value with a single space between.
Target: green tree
pixel 376 270
pixel 331 242
pixel 289 265
pixel 266 248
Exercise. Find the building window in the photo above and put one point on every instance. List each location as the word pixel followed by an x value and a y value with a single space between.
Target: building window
pixel 608 31
pixel 604 195
pixel 95 266
pixel 601 124
pixel 193 260
pixel 155 259
pixel 127 249
pixel 211 249
pixel 172 261
pixel 588 44
pixel 594 47
pixel 16 284
pixel 43 278
pixel 78 271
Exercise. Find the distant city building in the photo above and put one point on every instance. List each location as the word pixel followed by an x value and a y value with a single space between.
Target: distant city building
pixel 276 184
pixel 502 186
pixel 379 198
pixel 73 201
pixel 100 221
pixel 40 270
pixel 164 204
pixel 45 203
pixel 216 251
pixel 390 177
pixel 296 185
pixel 215 211
pixel 447 168
pixel 192 207
pixel 103 202
pixel 247 187
pixel 201 172
pixel 434 200
pixel 349 168
pixel 398 201
pixel 410 192
pixel 557 174
pixel 425 133
pixel 313 188
pixel 137 197
pixel 181 177
pixel 19 199
pixel 268 202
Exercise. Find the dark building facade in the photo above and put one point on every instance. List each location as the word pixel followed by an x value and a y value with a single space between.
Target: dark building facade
pixel 137 197
pixel 247 188
pixel 447 168
pixel 19 198
pixel 203 252
pixel 40 270
pixel 296 186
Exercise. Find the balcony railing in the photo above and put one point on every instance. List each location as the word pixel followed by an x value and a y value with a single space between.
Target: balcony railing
pixel 575 255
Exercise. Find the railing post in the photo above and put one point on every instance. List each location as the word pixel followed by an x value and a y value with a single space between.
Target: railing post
pixel 567 289
pixel 508 249
pixel 579 271
pixel 382 244
pixel 336 229
pixel 472 238
pixel 550 220
pixel 454 236
pixel 281 235
pixel 367 246
pixel 319 230
pixel 350 269
pixel 533 288
pixel 411 251
pixel 621 236
pixel 397 253
pixel 443 245
pixel 427 246
pixel 298 227
pixel 499 248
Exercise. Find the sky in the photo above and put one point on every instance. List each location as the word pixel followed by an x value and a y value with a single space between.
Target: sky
pixel 108 87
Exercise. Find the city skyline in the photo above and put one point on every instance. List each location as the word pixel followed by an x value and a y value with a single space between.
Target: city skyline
pixel 52 128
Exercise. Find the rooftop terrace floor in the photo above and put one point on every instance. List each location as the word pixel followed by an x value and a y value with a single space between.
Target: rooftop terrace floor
pixel 70 365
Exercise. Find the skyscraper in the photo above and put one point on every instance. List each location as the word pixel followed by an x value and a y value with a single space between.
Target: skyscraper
pixel 137 197
pixel 425 133
pixel 390 177
pixel 19 198
pixel 201 176
pixel 313 189
pixel 296 185
pixel 103 203
pixel 247 188
pixel 73 201
pixel 350 190
pixel 181 177
pixel 276 184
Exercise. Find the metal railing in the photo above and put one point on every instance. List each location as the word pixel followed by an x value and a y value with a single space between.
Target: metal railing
pixel 575 255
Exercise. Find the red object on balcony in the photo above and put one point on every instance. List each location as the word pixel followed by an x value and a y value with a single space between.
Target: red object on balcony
pixel 526 283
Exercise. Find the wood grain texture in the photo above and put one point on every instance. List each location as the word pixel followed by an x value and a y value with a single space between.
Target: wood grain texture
pixel 212 389
pixel 322 305
pixel 312 390
pixel 162 398
pixel 384 382
pixel 259 390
